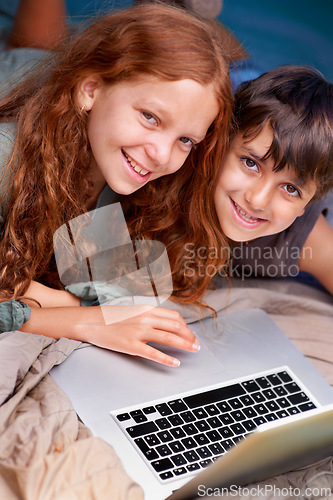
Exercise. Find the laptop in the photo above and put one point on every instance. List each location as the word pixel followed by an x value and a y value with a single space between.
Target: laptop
pixel 175 429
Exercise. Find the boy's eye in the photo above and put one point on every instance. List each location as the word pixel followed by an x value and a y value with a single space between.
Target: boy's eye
pixel 250 164
pixel 291 190
pixel 149 117
pixel 186 141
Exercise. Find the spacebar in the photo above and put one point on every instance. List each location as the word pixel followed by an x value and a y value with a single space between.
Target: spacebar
pixel 220 394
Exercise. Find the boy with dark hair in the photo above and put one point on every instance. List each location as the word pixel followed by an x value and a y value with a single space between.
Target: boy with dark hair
pixel 279 162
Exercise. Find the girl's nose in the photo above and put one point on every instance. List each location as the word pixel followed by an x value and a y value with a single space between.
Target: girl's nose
pixel 160 152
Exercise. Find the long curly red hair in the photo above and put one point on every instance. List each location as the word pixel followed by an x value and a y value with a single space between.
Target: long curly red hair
pixel 52 156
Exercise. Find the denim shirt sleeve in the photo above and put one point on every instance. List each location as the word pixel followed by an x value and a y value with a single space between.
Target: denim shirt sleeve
pixel 13 315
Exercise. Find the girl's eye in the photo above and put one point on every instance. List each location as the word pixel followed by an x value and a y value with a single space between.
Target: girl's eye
pixel 187 141
pixel 149 117
pixel 290 189
pixel 250 164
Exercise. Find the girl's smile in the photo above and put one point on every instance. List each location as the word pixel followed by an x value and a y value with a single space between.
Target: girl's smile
pixel 251 198
pixel 142 129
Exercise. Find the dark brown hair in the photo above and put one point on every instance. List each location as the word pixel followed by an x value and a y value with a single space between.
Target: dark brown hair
pixel 297 102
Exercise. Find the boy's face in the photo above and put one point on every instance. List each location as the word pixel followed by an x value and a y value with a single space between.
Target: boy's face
pixel 251 199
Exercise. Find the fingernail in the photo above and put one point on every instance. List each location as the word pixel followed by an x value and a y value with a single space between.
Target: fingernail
pixel 176 362
pixel 196 346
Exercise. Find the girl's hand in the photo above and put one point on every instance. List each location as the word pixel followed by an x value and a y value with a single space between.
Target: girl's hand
pixel 132 327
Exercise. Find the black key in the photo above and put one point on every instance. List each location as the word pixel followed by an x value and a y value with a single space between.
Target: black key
pixel 190 429
pixel 226 432
pixel 263 382
pixel 175 420
pixel 238 428
pixel 261 409
pixel 204 452
pixel 138 416
pixel 149 453
pixel 282 414
pixel 189 443
pixel 272 405
pixel 179 471
pixel 216 449
pixel 293 411
pixel 249 412
pixel 251 386
pixel 142 429
pixel 163 450
pixel 200 413
pixel 178 460
pixel 227 444
pixel 152 440
pixel 292 387
pixel 123 416
pixel 226 419
pixel 259 420
pixel 307 406
pixel 192 467
pixel 258 397
pixel 270 417
pixel 201 439
pixel 236 403
pixel 246 400
pixel 274 379
pixel 285 377
pixel 205 463
pixel 191 456
pixel 176 446
pixel 283 402
pixel 177 432
pixel 223 406
pixel 249 425
pixel 165 436
pixel 166 475
pixel 162 465
pixel 177 406
pixel 280 391
pixel 212 410
pixel 202 426
pixel 269 394
pixel 298 398
pixel 213 435
pixel 237 439
pixel 188 416
pixel 149 410
pixel 214 395
pixel 238 415
pixel 163 423
pixel 214 422
pixel 163 409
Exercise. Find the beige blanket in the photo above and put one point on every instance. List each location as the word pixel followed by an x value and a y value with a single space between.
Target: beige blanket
pixel 46 453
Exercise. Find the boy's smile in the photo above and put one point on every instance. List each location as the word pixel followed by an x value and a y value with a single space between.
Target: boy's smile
pixel 253 200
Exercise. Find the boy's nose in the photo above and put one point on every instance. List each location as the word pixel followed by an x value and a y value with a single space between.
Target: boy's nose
pixel 258 195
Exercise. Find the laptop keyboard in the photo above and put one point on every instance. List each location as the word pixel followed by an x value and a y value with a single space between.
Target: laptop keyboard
pixel 178 436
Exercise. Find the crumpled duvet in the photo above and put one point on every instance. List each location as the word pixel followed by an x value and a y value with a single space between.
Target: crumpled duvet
pixel 45 452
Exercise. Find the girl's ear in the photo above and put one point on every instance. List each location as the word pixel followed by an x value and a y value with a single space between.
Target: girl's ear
pixel 88 89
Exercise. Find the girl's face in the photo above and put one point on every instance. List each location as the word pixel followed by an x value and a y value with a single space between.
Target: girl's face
pixel 140 130
pixel 251 199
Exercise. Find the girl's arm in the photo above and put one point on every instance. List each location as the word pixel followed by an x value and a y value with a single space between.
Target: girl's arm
pixel 142 324
pixel 317 253
pixel 49 297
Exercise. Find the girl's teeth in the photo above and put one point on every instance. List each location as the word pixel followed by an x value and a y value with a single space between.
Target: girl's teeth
pixel 245 216
pixel 136 167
